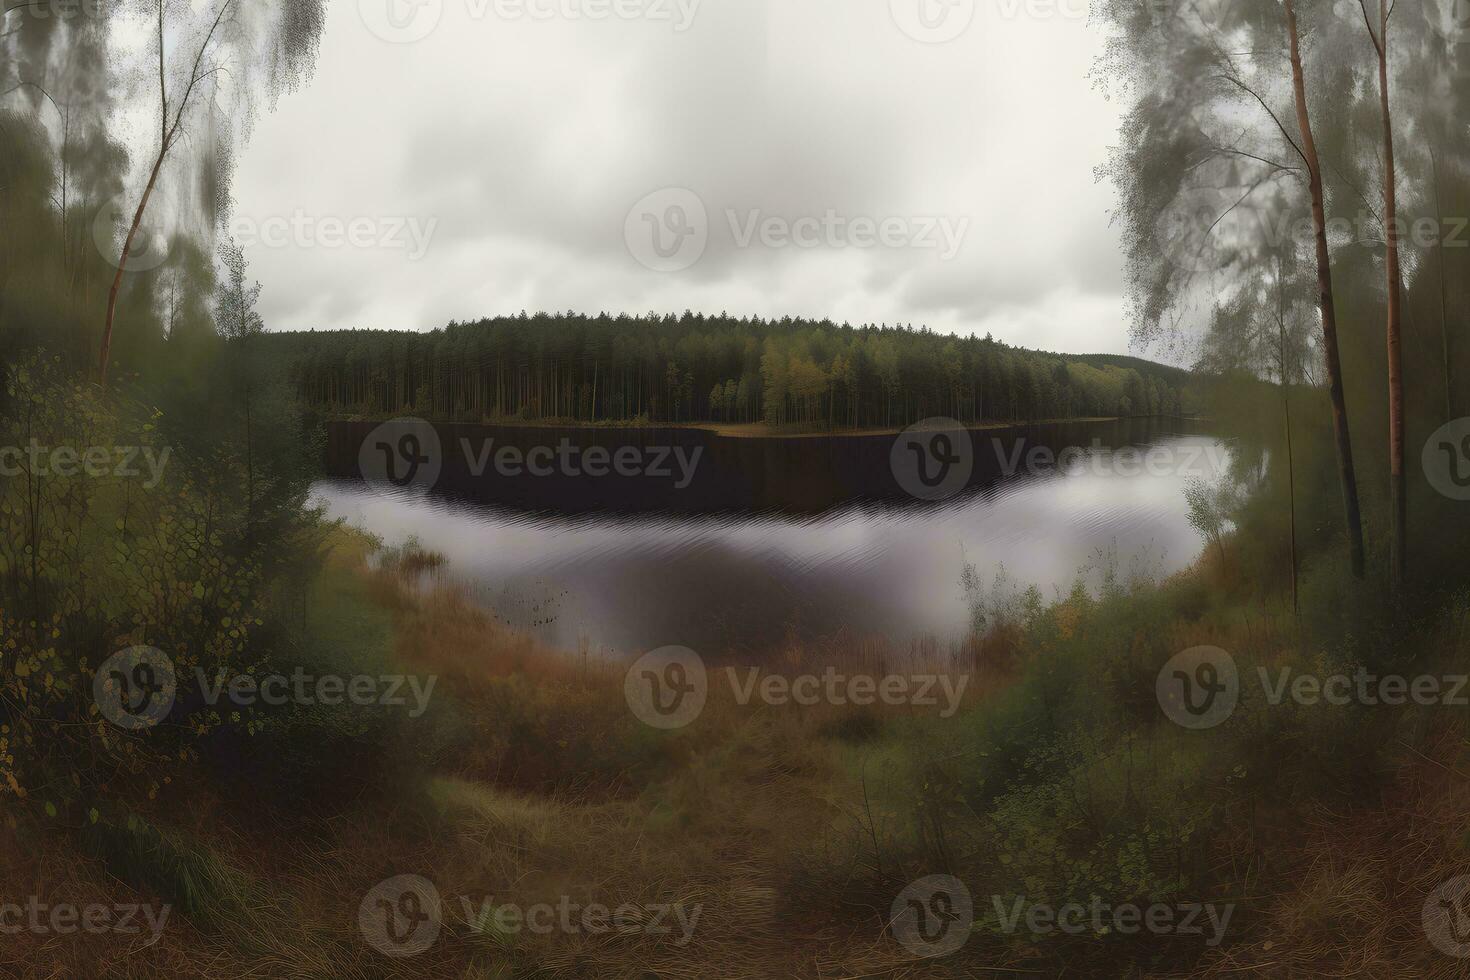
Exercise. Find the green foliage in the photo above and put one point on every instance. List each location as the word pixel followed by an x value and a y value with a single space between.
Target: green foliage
pixel 114 533
pixel 698 368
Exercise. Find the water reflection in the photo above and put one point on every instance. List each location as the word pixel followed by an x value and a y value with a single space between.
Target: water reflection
pixel 724 581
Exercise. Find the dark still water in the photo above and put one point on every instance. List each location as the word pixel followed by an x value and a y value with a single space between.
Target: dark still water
pixel 763 540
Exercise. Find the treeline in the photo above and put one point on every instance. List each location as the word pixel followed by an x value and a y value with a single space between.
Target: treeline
pixel 698 368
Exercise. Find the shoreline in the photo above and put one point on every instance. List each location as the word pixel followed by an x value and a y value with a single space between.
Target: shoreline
pixel 760 430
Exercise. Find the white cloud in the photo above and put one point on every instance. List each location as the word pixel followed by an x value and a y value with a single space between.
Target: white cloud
pixel 529 140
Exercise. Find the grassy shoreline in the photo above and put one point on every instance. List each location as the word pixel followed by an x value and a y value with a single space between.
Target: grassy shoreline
pixel 792 828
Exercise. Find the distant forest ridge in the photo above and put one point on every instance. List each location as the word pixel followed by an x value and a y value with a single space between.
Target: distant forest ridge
pixel 697 368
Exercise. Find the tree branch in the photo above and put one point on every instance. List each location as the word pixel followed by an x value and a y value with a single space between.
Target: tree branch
pixel 1252 92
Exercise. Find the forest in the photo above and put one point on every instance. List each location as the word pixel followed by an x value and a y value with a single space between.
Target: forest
pixel 711 368
pixel 1272 161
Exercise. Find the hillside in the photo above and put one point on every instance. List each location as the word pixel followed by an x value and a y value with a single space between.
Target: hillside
pixel 694 368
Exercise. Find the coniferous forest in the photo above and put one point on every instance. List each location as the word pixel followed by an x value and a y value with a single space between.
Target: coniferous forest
pixel 696 368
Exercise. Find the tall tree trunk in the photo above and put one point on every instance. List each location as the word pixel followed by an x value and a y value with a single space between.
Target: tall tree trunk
pixel 1399 519
pixel 1286 418
pixel 122 265
pixel 1352 511
pixel 1444 315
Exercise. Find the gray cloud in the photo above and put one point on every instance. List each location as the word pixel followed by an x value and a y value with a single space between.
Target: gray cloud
pixel 528 141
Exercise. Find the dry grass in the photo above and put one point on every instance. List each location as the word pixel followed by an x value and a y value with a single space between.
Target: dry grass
pixel 1348 894
pixel 553 790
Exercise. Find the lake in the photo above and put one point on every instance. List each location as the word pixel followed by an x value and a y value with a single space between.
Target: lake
pixel 762 541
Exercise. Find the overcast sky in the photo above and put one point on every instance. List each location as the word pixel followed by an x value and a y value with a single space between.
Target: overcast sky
pixel 917 161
